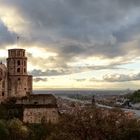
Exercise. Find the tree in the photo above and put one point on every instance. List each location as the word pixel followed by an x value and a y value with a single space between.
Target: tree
pixel 40 131
pixel 4 132
pixel 98 124
pixel 135 97
pixel 3 112
pixel 18 131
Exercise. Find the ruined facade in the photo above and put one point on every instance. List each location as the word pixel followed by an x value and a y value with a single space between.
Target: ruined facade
pixel 14 80
pixel 40 114
pixel 40 108
pixel 3 82
pixel 16 83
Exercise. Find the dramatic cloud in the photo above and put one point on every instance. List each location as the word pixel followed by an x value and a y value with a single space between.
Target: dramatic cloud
pixel 38 79
pixel 121 78
pixel 64 37
pixel 48 72
pixel 6 36
pixel 88 27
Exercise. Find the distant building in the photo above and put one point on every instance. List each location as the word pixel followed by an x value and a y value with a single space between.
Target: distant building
pixel 16 83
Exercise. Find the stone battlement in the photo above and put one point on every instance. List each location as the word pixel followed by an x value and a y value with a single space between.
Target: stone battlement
pixel 12 53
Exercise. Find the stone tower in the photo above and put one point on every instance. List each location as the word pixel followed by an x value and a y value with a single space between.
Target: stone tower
pixel 19 82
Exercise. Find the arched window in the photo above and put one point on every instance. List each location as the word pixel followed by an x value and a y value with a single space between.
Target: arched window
pixel 23 53
pixel 2 93
pixel 18 62
pixel 24 63
pixel 24 70
pixel 18 69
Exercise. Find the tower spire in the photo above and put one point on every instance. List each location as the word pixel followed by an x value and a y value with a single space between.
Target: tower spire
pixel 17 41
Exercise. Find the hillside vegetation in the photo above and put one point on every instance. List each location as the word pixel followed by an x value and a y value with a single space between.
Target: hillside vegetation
pixel 90 123
pixel 135 97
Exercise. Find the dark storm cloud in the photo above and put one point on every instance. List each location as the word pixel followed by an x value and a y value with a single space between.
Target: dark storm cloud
pixel 128 33
pixel 72 49
pixel 121 78
pixel 6 36
pixel 129 3
pixel 80 27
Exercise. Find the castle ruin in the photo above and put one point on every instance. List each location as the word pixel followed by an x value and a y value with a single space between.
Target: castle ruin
pixel 16 83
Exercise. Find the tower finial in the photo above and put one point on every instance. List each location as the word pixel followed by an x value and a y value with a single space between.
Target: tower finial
pixel 17 41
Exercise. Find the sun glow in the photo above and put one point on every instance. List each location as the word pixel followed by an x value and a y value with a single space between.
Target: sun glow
pixel 7 16
pixel 40 52
pixel 3 53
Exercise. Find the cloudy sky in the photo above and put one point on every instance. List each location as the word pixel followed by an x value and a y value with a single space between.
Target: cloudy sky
pixel 75 43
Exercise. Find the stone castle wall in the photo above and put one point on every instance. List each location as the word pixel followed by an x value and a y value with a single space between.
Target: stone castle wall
pixel 15 82
pixel 19 82
pixel 17 62
pixel 3 82
pixel 38 99
pixel 37 115
pixel 19 86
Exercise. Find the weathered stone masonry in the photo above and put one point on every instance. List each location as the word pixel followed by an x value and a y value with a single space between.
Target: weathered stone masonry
pixel 16 83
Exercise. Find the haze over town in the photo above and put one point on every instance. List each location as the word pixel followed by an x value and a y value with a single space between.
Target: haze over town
pixel 90 44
